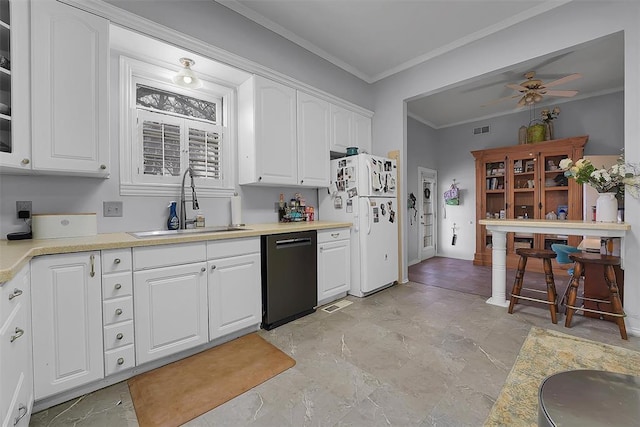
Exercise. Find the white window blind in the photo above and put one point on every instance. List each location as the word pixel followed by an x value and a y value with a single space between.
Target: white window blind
pixel 205 153
pixel 160 148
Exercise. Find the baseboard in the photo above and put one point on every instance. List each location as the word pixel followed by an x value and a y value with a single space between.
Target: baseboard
pixel 414 262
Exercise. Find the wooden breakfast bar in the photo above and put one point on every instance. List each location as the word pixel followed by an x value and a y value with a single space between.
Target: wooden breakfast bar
pixel 500 228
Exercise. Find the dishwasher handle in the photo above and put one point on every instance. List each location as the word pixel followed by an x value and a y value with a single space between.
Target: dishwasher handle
pixel 289 243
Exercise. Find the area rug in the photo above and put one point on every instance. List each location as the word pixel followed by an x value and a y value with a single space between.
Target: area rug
pixel 178 392
pixel 545 353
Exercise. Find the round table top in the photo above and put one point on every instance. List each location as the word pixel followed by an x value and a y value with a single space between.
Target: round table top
pixel 589 398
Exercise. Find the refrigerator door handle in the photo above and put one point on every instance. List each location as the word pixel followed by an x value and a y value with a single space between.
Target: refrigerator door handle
pixel 369 182
pixel 369 216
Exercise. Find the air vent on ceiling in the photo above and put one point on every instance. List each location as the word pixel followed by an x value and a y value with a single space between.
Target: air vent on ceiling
pixel 480 130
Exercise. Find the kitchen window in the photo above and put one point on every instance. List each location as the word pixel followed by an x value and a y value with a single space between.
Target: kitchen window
pixel 168 129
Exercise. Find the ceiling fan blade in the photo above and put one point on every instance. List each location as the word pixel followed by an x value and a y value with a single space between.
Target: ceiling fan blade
pixel 565 93
pixel 569 78
pixel 499 100
pixel 522 102
pixel 516 87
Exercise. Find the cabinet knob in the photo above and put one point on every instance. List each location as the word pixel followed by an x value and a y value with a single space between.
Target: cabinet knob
pixel 120 360
pixel 25 161
pixel 16 293
pixel 203 269
pixel 103 167
pixel 213 267
pixel 302 181
pixel 259 178
pixel 119 336
pixel 118 311
pixel 117 261
pixel 118 286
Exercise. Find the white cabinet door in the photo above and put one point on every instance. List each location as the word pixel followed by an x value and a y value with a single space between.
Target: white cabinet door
pixel 16 374
pixel 170 310
pixel 267 133
pixel 15 131
pixel 334 269
pixel 235 299
pixel 67 322
pixel 70 82
pixel 341 123
pixel 313 141
pixel 362 133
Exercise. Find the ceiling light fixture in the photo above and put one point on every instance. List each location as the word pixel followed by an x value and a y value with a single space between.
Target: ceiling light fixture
pixel 186 77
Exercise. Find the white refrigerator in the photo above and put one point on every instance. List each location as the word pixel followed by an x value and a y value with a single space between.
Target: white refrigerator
pixel 363 191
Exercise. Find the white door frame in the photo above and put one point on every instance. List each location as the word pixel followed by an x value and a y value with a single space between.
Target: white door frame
pixel 432 176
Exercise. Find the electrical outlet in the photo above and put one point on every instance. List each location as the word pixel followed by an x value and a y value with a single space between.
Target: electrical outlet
pixel 21 208
pixel 111 209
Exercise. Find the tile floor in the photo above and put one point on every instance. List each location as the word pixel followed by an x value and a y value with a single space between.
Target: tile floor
pixel 410 355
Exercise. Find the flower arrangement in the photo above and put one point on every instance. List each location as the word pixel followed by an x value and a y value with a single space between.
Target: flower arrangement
pixel 618 178
pixel 549 115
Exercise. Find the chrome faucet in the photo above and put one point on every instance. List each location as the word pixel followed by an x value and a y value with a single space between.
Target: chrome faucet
pixel 194 200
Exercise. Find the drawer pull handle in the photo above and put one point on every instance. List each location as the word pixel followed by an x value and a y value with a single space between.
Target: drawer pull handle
pixel 16 293
pixel 334 235
pixel 213 267
pixel 120 360
pixel 119 336
pixel 117 261
pixel 118 286
pixel 19 332
pixel 118 311
pixel 203 269
pixel 22 411
pixel 92 259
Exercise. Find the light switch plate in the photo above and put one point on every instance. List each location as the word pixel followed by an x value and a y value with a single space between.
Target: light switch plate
pixel 111 209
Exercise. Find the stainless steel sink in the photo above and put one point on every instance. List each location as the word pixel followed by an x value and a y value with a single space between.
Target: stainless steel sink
pixel 164 233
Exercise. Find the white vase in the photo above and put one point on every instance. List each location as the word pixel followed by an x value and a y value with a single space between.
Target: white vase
pixel 607 207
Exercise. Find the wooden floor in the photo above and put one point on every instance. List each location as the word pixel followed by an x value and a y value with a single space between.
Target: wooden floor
pixel 463 276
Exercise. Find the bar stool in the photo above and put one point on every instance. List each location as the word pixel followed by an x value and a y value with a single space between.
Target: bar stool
pixel 552 296
pixel 610 278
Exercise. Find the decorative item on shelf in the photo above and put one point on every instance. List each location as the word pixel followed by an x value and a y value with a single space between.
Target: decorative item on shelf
pixel 612 183
pixel 547 118
pixel 536 132
pixel 522 135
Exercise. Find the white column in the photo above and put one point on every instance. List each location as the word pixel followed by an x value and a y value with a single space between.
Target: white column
pixel 499 269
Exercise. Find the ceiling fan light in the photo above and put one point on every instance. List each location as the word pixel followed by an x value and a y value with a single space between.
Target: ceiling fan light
pixel 186 77
pixel 537 97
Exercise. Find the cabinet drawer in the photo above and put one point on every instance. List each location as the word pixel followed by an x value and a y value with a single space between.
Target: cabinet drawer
pixel 232 247
pixel 14 350
pixel 119 359
pixel 118 335
pixel 163 256
pixel 333 235
pixel 115 260
pixel 14 292
pixel 117 285
pixel 117 310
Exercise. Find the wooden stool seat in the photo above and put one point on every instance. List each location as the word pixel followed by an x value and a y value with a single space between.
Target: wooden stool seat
pixel 608 262
pixel 552 296
pixel 536 253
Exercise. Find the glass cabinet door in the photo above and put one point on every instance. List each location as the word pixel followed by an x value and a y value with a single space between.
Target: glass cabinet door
pixel 523 203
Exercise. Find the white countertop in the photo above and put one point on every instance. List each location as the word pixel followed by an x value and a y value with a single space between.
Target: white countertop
pixel 573 227
pixel 17 253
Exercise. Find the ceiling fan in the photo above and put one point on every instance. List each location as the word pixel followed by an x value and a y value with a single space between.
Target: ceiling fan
pixel 532 90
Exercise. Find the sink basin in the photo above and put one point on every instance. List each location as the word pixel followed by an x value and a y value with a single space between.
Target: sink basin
pixel 164 233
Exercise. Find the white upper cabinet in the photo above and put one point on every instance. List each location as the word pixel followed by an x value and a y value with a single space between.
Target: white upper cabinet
pixel 361 132
pixel 349 129
pixel 15 132
pixel 313 141
pixel 267 133
pixel 70 87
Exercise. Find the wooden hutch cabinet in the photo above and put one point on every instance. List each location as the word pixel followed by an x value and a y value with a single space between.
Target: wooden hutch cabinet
pixel 524 181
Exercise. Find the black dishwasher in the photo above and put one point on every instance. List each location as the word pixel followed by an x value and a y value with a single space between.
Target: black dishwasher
pixel 289 277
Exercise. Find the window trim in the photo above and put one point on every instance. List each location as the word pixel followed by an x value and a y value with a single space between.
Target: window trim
pixel 133 71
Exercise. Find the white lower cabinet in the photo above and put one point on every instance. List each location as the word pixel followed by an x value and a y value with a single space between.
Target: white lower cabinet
pixel 16 375
pixel 235 296
pixel 170 306
pixel 67 322
pixel 334 266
